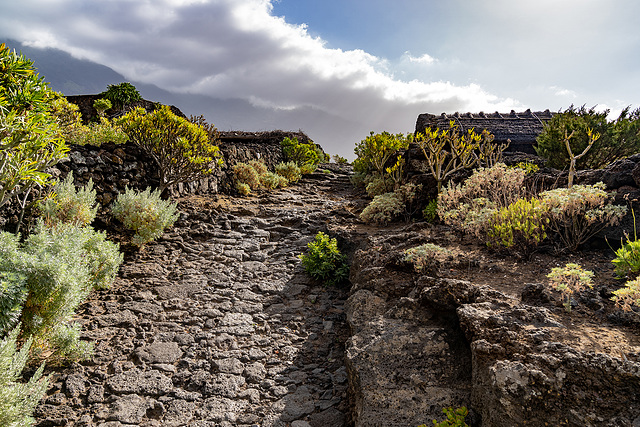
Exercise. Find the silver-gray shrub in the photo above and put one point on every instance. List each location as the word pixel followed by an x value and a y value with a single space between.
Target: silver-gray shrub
pixel 66 204
pixel 18 399
pixel 145 213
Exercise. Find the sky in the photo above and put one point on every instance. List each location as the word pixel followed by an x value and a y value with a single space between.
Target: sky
pixel 343 68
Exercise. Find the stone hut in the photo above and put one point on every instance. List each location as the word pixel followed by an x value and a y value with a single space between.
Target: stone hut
pixel 521 129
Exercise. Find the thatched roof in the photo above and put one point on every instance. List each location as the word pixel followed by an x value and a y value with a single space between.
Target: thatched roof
pixel 521 129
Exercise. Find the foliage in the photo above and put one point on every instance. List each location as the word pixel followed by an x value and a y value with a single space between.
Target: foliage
pixel 424 255
pixel 618 139
pixel 430 212
pixel 145 213
pixel 388 206
pixel 272 180
pixel 121 95
pixel 289 170
pixel 246 174
pixel 243 188
pixel 340 160
pixel 30 137
pixel 628 296
pixel 569 279
pixel 259 166
pixel 374 151
pixel 13 293
pixel 469 206
pixel 448 151
pixel 308 168
pixel 378 185
pixel 102 105
pixel 323 260
pixel 18 399
pixel 627 260
pixel 66 205
pixel 528 167
pixel 579 212
pixel 520 226
pixel 300 153
pixel 182 150
pixel 455 418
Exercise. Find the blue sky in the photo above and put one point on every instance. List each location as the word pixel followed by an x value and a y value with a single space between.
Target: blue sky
pixel 343 68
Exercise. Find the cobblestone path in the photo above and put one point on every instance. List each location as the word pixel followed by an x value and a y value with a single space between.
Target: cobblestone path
pixel 216 324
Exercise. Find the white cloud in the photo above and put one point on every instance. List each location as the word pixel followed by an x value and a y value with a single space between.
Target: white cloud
pixel 237 49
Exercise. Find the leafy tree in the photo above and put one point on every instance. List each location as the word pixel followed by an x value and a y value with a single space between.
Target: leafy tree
pixel 618 139
pixel 121 94
pixel 30 138
pixel 375 150
pixel 183 151
pixel 300 153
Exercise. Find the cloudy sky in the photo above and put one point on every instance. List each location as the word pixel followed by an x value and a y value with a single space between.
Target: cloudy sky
pixel 343 68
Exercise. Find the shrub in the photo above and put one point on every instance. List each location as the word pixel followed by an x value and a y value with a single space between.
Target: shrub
pixel 579 212
pixel 627 260
pixel 374 151
pixel 340 160
pixel 246 174
pixel 425 255
pixel 308 168
pixel 520 226
pixel 30 138
pixel 378 186
pixel 13 293
pixel 182 150
pixel 430 212
pixel 145 213
pixel 469 206
pixel 289 170
pixel 99 133
pixel 455 418
pixel 323 260
pixel 300 153
pixel 18 399
pixel 259 166
pixel 386 207
pixel 102 105
pixel 243 188
pixel 528 167
pixel 628 296
pixel 121 94
pixel 66 205
pixel 618 139
pixel 447 151
pixel 569 279
pixel 272 180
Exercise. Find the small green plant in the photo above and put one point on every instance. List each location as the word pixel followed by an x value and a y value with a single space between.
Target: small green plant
pixel 569 279
pixel 339 159
pixel 324 262
pixel 243 188
pixel 388 206
pixel 121 95
pixel 13 293
pixel 374 151
pixel 425 255
pixel 527 166
pixel 102 105
pixel 246 174
pixel 579 212
pixel 455 418
pixel 145 213
pixel 628 296
pixel 430 212
pixel 290 171
pixel 19 399
pixel 378 186
pixel 272 180
pixel 302 154
pixel 627 260
pixel 308 168
pixel 520 226
pixel 65 204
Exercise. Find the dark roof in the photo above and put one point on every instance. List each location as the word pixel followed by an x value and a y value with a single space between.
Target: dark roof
pixel 521 129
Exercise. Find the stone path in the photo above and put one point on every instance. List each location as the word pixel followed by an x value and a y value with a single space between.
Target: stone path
pixel 216 323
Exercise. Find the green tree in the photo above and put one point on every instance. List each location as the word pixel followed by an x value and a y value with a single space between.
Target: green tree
pixel 121 95
pixel 618 138
pixel 30 138
pixel 375 150
pixel 183 151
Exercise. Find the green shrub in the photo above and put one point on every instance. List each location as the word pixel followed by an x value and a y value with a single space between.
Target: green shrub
pixel 259 166
pixel 374 151
pixel 99 133
pixel 272 180
pixel 528 167
pixel 425 255
pixel 627 260
pixel 183 151
pixel 387 207
pixel 290 171
pixel 301 154
pixel 31 139
pixel 13 293
pixel 455 418
pixel 18 399
pixel 520 226
pixel 121 94
pixel 628 296
pixel 246 174
pixel 102 105
pixel 579 212
pixel 618 139
pixel 243 188
pixel 378 186
pixel 308 168
pixel 469 206
pixel 65 204
pixel 145 213
pixel 430 212
pixel 323 260
pixel 340 160
pixel 569 279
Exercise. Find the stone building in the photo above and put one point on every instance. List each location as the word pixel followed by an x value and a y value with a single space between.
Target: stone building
pixel 519 128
